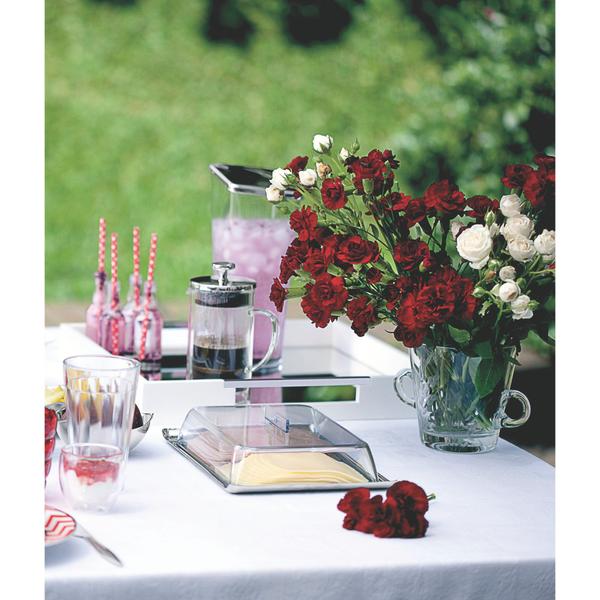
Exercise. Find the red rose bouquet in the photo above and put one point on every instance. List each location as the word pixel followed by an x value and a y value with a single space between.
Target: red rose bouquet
pixel 471 273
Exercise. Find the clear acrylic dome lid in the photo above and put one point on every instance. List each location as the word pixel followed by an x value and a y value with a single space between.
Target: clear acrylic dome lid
pixel 275 444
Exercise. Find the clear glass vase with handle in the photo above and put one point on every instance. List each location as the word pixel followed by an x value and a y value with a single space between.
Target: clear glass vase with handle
pixel 460 400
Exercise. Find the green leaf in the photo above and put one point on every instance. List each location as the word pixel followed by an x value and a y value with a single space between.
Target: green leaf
pixel 460 336
pixel 489 373
pixel 335 270
pixel 483 349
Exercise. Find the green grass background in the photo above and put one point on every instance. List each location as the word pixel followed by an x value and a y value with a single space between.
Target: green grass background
pixel 139 103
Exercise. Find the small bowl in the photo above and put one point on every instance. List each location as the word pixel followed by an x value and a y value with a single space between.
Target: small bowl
pixel 137 435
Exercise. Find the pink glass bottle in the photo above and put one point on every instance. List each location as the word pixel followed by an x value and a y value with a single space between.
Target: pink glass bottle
pixel 97 307
pixel 131 310
pixel 152 322
pixel 112 325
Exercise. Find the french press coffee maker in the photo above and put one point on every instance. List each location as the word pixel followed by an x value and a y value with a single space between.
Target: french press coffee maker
pixel 221 326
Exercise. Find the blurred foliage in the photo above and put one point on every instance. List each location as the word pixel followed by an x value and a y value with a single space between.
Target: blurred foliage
pixel 140 99
pixel 494 102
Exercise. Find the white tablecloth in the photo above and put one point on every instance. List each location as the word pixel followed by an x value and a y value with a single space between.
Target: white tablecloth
pixel 491 533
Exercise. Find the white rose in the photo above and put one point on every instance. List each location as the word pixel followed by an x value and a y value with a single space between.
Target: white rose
pixel 323 169
pixel 545 244
pixel 344 154
pixel 510 206
pixel 475 244
pixel 274 194
pixel 509 291
pixel 322 143
pixel 518 225
pixel 520 307
pixel 494 229
pixel 521 249
pixel 308 177
pixel 507 273
pixel 279 178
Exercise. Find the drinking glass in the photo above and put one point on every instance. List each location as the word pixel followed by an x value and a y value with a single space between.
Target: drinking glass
pixel 50 420
pixel 100 398
pixel 91 475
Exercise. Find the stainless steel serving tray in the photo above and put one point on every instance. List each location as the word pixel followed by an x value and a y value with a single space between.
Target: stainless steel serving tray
pixel 172 438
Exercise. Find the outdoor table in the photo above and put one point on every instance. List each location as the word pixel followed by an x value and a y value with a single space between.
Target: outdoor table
pixel 181 536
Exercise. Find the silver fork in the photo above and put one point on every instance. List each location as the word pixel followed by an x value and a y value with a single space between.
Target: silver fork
pixel 107 554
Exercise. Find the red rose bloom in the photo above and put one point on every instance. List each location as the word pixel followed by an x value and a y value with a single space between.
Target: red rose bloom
pixel 415 211
pixel 373 276
pixel 352 499
pixel 410 253
pixel 328 292
pixel 278 294
pixel 408 495
pixel 437 303
pixel 371 167
pixel 317 313
pixel 545 162
pixel 396 201
pixel 398 289
pixel 332 193
pixel 355 250
pixel 315 262
pixel 297 164
pixel 362 313
pixel 466 303
pixel 298 249
pixel 410 314
pixel 480 205
pixel 444 197
pixel 304 222
pixel 515 175
pixel 411 338
pixel 539 188
pixel 462 287
pixel 390 158
pixel 329 248
pixel 288 267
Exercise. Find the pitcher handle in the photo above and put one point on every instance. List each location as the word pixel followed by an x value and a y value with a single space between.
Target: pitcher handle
pixel 274 336
pixel 509 422
pixel 400 393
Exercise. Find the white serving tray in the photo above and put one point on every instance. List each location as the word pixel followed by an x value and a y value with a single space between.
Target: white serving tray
pixel 366 362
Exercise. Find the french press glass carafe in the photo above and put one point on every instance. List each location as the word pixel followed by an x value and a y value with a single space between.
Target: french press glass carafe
pixel 221 326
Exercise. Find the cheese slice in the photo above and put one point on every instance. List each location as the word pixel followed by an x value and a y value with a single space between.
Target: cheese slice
pixel 291 467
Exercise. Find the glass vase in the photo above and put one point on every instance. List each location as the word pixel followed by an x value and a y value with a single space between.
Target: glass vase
pixel 460 400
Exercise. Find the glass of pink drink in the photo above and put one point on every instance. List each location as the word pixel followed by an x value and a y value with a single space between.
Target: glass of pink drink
pixel 256 246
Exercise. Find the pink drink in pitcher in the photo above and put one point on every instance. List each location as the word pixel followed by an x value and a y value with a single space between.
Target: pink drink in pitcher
pixel 256 247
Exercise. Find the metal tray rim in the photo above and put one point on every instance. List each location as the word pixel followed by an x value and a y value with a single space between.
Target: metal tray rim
pixel 171 436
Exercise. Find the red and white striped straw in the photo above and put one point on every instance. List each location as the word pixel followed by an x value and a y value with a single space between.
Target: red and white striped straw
pixel 150 280
pixel 114 265
pixel 136 266
pixel 101 244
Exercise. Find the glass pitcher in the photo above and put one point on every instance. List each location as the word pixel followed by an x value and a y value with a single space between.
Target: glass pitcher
pixel 221 326
pixel 250 232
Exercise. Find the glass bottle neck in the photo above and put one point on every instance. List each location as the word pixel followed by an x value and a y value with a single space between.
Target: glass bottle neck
pixel 113 295
pixel 102 289
pixel 134 293
pixel 152 304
